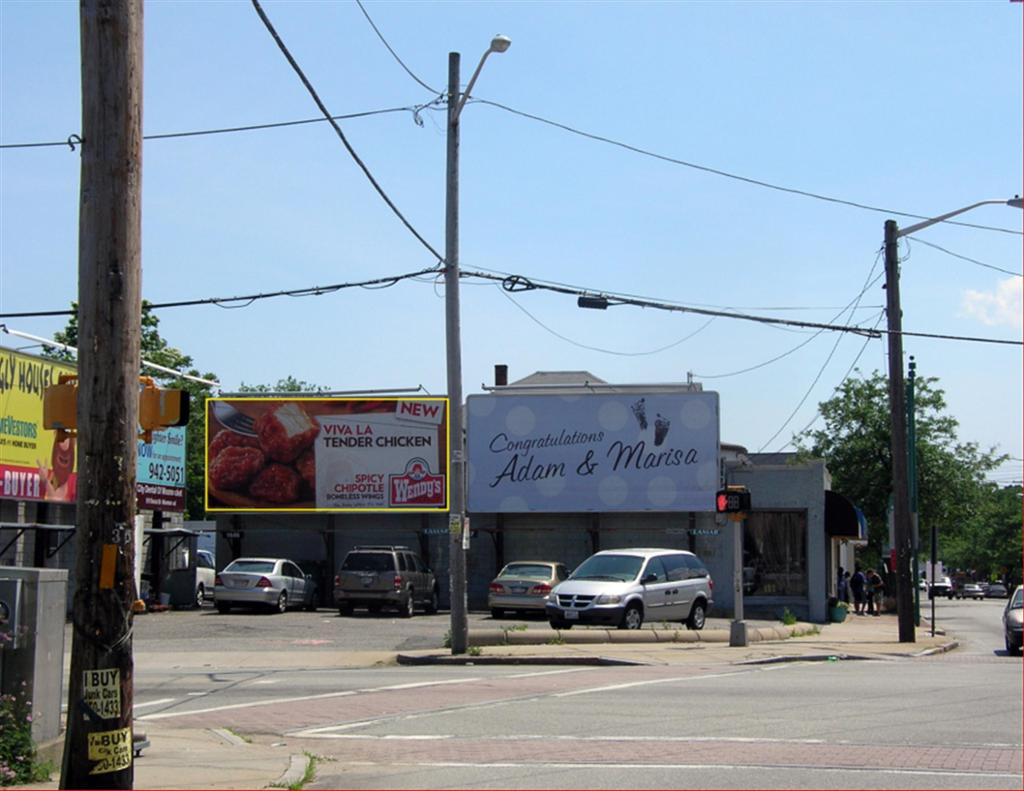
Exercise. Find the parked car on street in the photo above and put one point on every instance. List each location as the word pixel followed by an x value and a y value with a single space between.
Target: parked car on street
pixel 270 583
pixel 969 590
pixel 625 587
pixel 1012 625
pixel 206 577
pixel 940 587
pixel 385 576
pixel 524 586
pixel 996 590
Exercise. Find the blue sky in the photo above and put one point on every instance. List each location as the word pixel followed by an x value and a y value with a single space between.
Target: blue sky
pixel 909 107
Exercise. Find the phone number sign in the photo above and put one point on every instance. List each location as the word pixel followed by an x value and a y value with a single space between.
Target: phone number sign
pixel 162 461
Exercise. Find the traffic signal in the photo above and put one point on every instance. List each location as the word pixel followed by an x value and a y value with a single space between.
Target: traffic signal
pixel 160 408
pixel 60 404
pixel 732 501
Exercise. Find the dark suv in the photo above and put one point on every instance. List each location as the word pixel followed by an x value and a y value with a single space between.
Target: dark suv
pixel 385 576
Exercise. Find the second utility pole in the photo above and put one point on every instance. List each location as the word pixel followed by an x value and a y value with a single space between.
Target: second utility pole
pixel 457 481
pixel 897 415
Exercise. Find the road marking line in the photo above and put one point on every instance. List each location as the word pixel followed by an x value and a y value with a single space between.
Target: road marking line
pixel 661 767
pixel 323 696
pixel 551 672
pixel 153 703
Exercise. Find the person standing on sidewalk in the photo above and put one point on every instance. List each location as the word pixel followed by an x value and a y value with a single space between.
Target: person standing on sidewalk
pixel 876 592
pixel 842 586
pixel 857 583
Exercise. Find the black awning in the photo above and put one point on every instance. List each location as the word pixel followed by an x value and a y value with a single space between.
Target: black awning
pixel 843 519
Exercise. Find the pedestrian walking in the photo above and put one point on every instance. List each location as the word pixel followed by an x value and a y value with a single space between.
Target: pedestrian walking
pixel 857 584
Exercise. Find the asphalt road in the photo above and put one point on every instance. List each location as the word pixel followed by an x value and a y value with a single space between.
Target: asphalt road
pixel 877 724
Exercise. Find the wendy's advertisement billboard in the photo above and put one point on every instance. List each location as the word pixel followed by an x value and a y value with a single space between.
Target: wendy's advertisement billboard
pixel 326 454
pixel 593 452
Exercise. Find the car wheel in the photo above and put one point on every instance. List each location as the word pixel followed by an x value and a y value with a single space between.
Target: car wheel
pixel 632 618
pixel 407 608
pixel 697 617
pixel 200 595
pixel 223 607
pixel 497 614
pixel 556 624
pixel 434 604
pixel 344 609
pixel 282 602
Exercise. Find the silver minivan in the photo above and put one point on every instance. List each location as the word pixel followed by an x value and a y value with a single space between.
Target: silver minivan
pixel 625 587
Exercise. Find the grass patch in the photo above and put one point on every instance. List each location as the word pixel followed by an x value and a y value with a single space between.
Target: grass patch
pixel 556 640
pixel 475 650
pixel 788 617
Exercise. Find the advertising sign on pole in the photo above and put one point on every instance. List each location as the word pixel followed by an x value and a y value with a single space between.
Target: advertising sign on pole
pixel 160 475
pixel 33 464
pixel 326 454
pixel 593 452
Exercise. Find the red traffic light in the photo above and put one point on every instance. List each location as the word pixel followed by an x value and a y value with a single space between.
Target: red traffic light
pixel 732 501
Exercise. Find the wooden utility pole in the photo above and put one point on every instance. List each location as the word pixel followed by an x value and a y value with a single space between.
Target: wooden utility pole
pixel 98 740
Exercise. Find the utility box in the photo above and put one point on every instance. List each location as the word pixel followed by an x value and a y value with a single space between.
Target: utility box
pixel 10 611
pixel 33 666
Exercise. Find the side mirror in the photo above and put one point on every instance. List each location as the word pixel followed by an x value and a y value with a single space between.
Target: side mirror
pixel 647 579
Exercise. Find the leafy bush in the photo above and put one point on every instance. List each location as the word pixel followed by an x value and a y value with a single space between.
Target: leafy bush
pixel 17 752
pixel 788 617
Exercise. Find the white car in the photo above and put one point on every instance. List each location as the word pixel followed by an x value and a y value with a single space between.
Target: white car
pixel 206 575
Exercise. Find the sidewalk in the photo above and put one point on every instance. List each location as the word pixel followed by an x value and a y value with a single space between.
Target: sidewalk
pixel 195 758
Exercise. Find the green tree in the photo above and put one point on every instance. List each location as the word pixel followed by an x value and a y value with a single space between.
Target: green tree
pixel 287 385
pixel 156 350
pixel 855 444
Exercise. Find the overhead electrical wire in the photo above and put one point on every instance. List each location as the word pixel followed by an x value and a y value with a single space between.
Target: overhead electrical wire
pixel 516 283
pixel 728 175
pixel 600 349
pixel 248 299
pixel 341 135
pixel 964 257
pixel 392 51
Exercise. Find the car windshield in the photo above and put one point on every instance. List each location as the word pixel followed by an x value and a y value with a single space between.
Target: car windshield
pixel 369 561
pixel 252 566
pixel 1018 599
pixel 536 570
pixel 620 568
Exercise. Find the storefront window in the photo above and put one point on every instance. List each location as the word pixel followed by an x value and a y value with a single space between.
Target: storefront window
pixel 775 554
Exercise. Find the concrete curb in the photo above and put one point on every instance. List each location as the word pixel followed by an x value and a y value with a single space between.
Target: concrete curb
pixel 464 659
pixel 296 770
pixel 939 649
pixel 500 637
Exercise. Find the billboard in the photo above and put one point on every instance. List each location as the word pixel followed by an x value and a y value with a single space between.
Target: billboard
pixel 33 465
pixel 326 454
pixel 593 452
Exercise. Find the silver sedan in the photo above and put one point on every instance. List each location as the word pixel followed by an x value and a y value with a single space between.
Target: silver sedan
pixel 273 583
pixel 524 586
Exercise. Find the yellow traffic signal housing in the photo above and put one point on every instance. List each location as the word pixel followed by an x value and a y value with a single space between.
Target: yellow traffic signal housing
pixel 159 408
pixel 60 404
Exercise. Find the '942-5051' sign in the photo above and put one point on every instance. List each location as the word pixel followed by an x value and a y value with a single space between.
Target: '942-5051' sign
pixel 593 452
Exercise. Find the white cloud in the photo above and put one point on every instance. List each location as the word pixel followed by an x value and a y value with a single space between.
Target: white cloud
pixel 1001 307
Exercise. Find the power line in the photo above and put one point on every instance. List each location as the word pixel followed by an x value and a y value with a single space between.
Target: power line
pixel 516 283
pixel 726 174
pixel 248 299
pixel 580 345
pixel 393 53
pixel 964 257
pixel 74 140
pixel 341 135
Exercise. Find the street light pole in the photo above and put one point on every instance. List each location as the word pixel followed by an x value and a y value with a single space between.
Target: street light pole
pixel 453 345
pixel 897 414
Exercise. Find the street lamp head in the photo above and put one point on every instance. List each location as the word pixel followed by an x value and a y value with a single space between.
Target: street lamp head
pixel 500 43
pixel 1016 202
